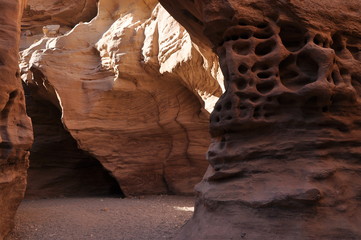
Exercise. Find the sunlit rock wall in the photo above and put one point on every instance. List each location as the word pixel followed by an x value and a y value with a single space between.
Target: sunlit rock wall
pixel 134 91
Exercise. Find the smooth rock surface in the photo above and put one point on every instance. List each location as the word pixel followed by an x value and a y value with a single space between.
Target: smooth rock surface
pixel 133 90
pixel 15 126
pixel 285 152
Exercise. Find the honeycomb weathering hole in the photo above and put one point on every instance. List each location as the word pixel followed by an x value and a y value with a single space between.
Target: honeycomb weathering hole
pixel 344 71
pixel 242 68
pixel 292 36
pixel 237 33
pixel 296 72
pixel 308 65
pixel 262 25
pixel 264 75
pixel 242 48
pixel 320 41
pixel 337 44
pixel 265 87
pixel 265 48
pixel 254 98
pixel 263 33
pixel 256 112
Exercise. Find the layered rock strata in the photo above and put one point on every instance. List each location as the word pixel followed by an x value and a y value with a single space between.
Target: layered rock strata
pixel 133 90
pixel 39 14
pixel 285 155
pixel 58 168
pixel 15 126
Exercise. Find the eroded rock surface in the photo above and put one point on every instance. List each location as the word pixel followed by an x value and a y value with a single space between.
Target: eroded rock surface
pixel 133 89
pixel 285 155
pixel 58 168
pixel 39 14
pixel 15 126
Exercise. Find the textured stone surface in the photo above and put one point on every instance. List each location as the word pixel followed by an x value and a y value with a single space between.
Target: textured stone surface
pixel 15 126
pixel 133 89
pixel 66 13
pixel 285 155
pixel 58 168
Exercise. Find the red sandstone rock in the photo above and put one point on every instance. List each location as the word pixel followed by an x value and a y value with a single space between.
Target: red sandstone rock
pixel 285 155
pixel 15 126
pixel 133 89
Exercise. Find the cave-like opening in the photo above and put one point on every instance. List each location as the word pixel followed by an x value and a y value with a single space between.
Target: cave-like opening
pixel 58 168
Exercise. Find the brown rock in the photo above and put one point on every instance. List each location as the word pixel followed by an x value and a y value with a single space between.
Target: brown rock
pixel 15 126
pixel 58 168
pixel 285 154
pixel 133 89
pixel 39 14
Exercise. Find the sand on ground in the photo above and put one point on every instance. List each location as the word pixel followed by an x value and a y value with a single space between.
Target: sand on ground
pixel 149 217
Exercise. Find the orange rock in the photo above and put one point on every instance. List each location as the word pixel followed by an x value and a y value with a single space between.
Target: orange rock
pixel 65 13
pixel 15 126
pixel 133 89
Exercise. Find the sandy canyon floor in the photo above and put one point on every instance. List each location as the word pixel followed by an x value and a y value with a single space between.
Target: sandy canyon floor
pixel 150 217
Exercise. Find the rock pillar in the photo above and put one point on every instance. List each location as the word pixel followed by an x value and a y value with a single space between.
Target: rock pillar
pixel 285 155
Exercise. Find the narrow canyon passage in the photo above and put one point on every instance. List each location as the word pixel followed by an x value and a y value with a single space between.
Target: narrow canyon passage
pixel 252 106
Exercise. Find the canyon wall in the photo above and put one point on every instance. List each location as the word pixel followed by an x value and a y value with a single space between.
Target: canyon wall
pixel 58 168
pixel 134 91
pixel 15 126
pixel 66 13
pixel 286 134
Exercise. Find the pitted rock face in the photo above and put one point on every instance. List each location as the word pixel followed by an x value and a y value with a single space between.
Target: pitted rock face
pixel 284 158
pixel 268 69
pixel 277 72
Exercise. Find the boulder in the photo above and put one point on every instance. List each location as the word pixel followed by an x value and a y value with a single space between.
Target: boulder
pixel 285 152
pixel 15 126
